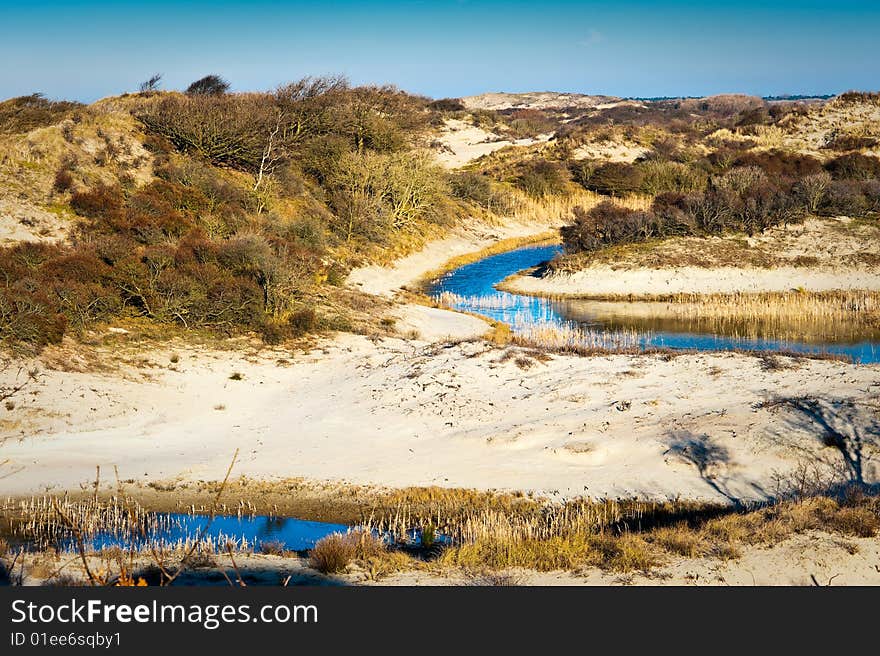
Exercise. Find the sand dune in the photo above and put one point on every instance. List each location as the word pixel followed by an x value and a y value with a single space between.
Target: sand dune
pixel 403 413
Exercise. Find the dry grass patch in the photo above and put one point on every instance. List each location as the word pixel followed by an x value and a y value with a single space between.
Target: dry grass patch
pixel 334 553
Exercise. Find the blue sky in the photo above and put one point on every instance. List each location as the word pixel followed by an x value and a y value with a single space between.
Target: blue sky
pixel 86 50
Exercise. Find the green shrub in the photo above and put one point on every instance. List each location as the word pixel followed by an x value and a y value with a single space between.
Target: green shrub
pixel 210 85
pixel 607 224
pixel 447 105
pixel 854 166
pixel 302 321
pixel 614 179
pixel 98 202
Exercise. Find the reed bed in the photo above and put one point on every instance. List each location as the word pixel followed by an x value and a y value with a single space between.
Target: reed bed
pixel 558 206
pixel 499 301
pixel 857 305
pixel 530 520
pixel 621 535
pixel 549 334
pixel 48 522
pixel 571 338
pixel 462 528
pixel 791 315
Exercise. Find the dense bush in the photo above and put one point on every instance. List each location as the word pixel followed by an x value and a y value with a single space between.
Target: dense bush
pixel 659 176
pixel 613 179
pixel 148 253
pixel 210 85
pixel 312 123
pixel 375 195
pixel 854 166
pixel 608 224
pixel 27 113
pixel 845 197
pixel 471 186
pixel 850 142
pixel 447 105
pixel 743 199
pixel 777 163
pixel 543 177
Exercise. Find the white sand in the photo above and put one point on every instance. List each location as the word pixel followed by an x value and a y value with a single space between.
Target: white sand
pixel 23 221
pixel 462 142
pixel 610 151
pixel 606 280
pixel 401 413
pixel 396 412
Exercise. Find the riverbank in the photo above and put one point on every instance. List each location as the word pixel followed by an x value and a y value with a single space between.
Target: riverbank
pixel 603 282
pixel 467 244
pixel 807 559
pixel 817 255
pixel 507 540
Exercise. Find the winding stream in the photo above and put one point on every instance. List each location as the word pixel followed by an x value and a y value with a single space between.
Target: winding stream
pixel 472 288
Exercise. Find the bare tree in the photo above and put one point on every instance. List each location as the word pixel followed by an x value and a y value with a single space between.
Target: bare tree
pixel 150 85
pixel 811 190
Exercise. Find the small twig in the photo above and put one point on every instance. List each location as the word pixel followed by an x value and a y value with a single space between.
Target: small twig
pixel 80 545
pixel 238 578
pixel 189 553
pixel 97 481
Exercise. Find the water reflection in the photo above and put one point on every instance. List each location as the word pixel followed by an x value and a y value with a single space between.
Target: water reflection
pixel 243 531
pixel 471 288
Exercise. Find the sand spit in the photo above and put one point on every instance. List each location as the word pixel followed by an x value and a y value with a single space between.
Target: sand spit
pixel 607 281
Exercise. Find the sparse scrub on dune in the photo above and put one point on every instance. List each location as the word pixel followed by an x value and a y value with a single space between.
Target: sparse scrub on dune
pixel 542 178
pixel 27 113
pixel 258 205
pixel 751 179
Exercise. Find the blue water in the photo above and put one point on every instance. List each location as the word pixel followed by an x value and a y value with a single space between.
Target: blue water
pixel 294 534
pixel 474 284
